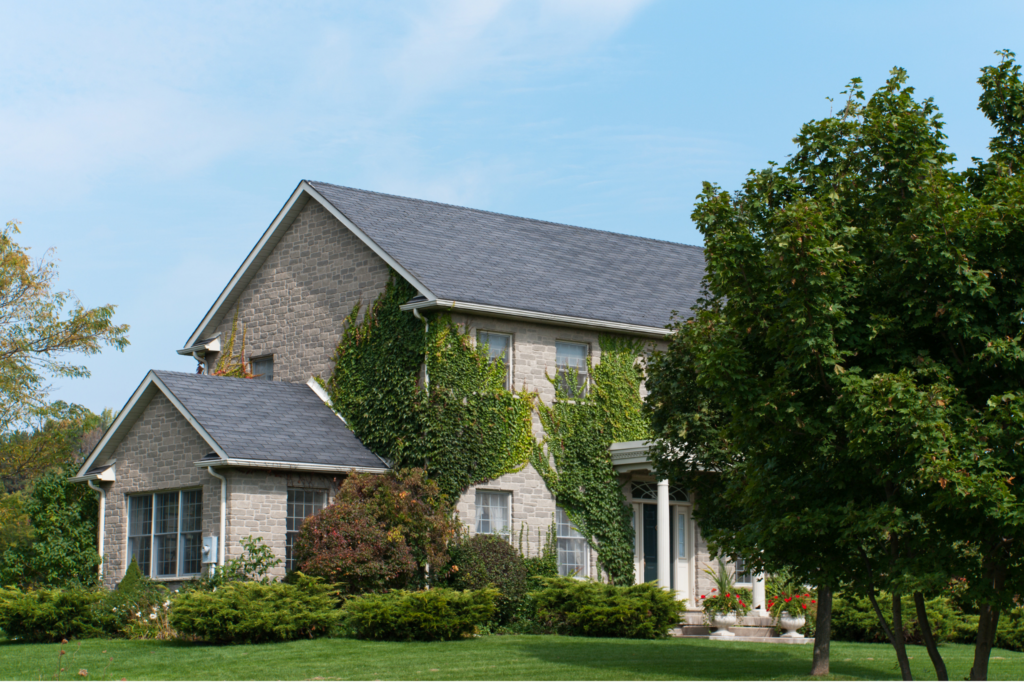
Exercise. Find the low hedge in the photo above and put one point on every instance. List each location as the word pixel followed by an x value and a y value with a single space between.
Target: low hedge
pixel 250 612
pixel 51 615
pixel 431 615
pixel 592 609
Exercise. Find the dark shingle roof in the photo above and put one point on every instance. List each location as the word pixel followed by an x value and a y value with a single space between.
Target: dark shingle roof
pixel 268 420
pixel 475 256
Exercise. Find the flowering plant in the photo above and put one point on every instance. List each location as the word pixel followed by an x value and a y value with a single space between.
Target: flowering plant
pixel 797 604
pixel 725 596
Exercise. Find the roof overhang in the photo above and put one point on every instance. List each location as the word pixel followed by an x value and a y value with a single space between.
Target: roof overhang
pixel 631 455
pixel 535 316
pixel 273 234
pixel 107 474
pixel 131 412
pixel 203 346
pixel 290 466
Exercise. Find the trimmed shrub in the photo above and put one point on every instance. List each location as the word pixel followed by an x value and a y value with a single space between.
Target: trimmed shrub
pixel 1010 633
pixel 253 612
pixel 437 614
pixel 854 620
pixel 50 615
pixel 489 560
pixel 591 609
pixel 379 534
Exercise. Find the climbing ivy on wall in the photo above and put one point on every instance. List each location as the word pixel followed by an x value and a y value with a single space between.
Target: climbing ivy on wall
pixel 467 428
pixel 576 463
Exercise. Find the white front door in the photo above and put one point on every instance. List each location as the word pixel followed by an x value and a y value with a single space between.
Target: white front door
pixel 683 542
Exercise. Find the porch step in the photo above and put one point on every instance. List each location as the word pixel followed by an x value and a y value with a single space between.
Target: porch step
pixel 702 631
pixel 749 629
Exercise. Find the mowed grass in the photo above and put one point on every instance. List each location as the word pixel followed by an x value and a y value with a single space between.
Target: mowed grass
pixel 491 658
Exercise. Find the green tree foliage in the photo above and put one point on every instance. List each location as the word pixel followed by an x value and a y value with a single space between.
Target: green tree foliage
pixel 846 399
pixel 380 533
pixel 576 465
pixel 62 551
pixel 36 333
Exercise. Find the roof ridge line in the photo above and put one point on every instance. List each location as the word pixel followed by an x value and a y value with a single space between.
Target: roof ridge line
pixel 504 215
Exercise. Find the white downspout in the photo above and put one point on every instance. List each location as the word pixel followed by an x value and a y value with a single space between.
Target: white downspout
pixel 223 512
pixel 426 371
pixel 103 518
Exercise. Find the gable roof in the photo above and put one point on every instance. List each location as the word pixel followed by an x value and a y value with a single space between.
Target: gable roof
pixel 493 263
pixel 247 422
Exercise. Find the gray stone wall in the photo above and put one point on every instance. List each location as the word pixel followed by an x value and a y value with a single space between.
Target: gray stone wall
pixel 157 455
pixel 295 306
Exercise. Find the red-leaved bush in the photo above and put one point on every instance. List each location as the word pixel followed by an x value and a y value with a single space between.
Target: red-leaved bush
pixel 380 533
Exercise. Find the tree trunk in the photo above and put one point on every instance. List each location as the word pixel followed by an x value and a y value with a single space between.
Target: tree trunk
pixel 929 641
pixel 822 631
pixel 988 621
pixel 899 645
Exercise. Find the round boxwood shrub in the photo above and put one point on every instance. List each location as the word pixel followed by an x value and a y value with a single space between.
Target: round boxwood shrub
pixel 484 560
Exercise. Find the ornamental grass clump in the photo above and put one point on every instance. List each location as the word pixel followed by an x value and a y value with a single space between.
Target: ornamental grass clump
pixel 725 597
pixel 431 615
pixel 585 608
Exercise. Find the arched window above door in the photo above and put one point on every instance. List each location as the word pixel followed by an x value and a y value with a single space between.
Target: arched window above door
pixel 645 490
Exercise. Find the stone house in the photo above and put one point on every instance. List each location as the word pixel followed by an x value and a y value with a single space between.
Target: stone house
pixel 194 463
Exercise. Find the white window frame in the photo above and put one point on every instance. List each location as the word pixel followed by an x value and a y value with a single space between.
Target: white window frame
pixel 739 570
pixel 572 537
pixel 489 495
pixel 507 357
pixel 318 503
pixel 180 536
pixel 581 371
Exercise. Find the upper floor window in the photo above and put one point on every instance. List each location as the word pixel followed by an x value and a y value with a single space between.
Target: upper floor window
pixel 263 367
pixel 499 349
pixel 165 533
pixel 302 504
pixel 571 365
pixel 573 551
pixel 493 513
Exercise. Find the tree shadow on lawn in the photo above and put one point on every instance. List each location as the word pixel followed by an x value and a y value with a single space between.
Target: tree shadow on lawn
pixel 681 659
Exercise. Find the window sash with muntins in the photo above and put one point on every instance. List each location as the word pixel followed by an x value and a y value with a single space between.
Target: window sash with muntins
pixel 499 349
pixel 165 533
pixel 302 503
pixel 741 573
pixel 571 367
pixel 573 550
pixel 263 367
pixel 493 515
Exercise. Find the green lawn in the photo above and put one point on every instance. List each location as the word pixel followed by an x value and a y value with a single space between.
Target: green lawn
pixel 495 658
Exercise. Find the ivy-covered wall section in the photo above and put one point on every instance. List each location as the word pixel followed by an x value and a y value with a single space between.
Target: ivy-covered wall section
pixel 466 428
pixel 576 464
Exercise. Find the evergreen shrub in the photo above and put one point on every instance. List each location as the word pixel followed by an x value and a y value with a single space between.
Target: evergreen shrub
pixel 592 609
pixel 251 612
pixel 489 560
pixel 431 615
pixel 854 619
pixel 125 611
pixel 50 615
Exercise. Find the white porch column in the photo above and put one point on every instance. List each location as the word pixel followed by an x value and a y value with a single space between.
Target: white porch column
pixel 664 538
pixel 761 607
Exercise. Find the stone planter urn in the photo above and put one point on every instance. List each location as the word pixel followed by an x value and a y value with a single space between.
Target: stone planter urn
pixel 791 624
pixel 721 622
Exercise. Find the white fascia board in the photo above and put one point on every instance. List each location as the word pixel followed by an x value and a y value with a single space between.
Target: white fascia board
pixel 240 276
pixel 189 418
pixel 374 246
pixel 124 415
pixel 532 315
pixel 211 346
pixel 294 466
pixel 322 394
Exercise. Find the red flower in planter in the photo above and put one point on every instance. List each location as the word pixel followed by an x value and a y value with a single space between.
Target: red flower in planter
pixel 703 597
pixel 804 606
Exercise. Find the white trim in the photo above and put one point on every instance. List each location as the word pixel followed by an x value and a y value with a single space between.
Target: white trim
pixel 322 394
pixel 283 220
pixel 298 466
pixel 551 318
pixel 150 383
pixel 211 346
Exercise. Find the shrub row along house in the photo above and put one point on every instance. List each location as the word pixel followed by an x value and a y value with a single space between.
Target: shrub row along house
pixel 194 462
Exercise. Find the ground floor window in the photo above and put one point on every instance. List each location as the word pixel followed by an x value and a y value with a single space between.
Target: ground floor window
pixel 493 513
pixel 742 575
pixel 165 533
pixel 573 550
pixel 302 504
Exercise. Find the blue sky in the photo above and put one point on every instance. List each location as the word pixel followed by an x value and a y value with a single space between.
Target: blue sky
pixel 152 144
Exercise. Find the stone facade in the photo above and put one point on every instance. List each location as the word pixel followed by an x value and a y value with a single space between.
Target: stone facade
pixel 295 306
pixel 157 455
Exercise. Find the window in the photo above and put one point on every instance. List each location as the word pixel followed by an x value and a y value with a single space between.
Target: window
pixel 499 349
pixel 301 505
pixel 742 573
pixel 645 490
pixel 492 514
pixel 573 550
pixel 571 366
pixel 263 367
pixel 165 533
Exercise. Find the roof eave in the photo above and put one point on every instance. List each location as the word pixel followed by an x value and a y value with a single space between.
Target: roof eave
pixel 294 466
pixel 536 316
